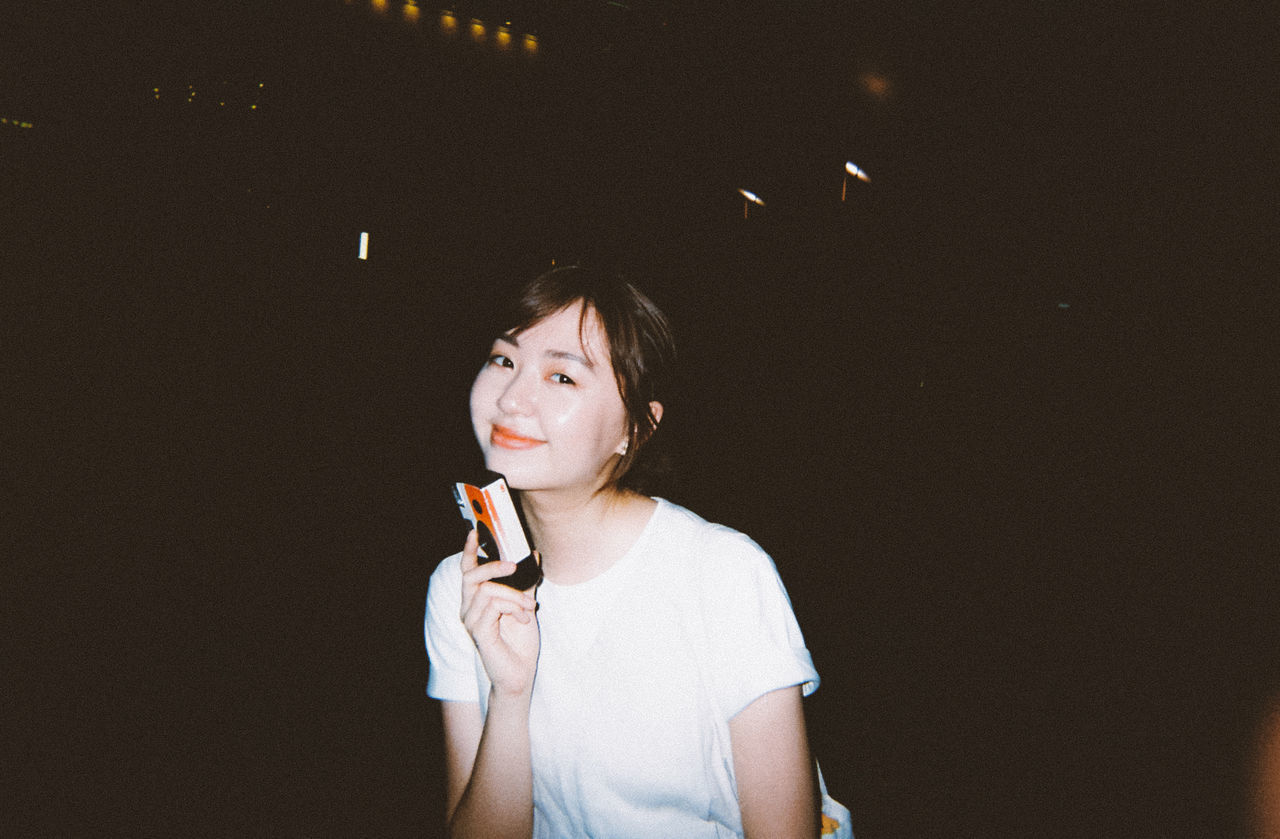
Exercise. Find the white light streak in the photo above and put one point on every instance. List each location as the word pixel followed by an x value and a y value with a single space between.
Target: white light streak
pixel 853 169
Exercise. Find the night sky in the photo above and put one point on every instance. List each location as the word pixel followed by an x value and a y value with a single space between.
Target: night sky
pixel 1004 417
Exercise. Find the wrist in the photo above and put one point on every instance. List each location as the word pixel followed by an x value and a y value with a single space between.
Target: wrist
pixel 514 698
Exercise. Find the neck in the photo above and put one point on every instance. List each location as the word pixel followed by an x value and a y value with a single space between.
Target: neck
pixel 580 536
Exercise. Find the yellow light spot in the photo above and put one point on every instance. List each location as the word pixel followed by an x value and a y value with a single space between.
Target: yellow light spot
pixel 379 6
pixel 477 30
pixel 529 44
pixel 411 11
pixel 503 39
pixel 448 23
pixel 253 107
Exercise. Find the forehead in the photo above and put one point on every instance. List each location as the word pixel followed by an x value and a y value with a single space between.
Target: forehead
pixel 569 329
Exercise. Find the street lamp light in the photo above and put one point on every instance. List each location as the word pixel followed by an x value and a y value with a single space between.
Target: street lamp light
pixel 851 168
pixel 749 198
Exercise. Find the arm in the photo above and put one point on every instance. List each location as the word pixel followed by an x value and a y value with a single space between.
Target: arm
pixel 489 769
pixel 777 787
pixel 489 789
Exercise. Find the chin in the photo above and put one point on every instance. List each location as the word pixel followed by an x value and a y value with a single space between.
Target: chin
pixel 496 460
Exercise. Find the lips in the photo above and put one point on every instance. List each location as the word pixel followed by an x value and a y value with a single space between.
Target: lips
pixel 505 438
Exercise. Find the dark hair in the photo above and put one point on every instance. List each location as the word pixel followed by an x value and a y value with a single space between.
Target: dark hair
pixel 641 350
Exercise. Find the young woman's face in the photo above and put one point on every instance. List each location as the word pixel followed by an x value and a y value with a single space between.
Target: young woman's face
pixel 546 408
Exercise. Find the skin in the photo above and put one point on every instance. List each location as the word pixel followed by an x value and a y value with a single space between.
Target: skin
pixel 547 414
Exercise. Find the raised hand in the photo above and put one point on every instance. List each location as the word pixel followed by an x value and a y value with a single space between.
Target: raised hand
pixel 502 622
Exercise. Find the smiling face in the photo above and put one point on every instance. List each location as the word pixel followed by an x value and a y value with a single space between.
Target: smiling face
pixel 546 408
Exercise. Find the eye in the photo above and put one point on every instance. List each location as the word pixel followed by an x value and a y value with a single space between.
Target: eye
pixel 561 379
pixel 500 360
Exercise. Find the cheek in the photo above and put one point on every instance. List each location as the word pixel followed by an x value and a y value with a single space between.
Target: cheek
pixel 566 416
pixel 587 421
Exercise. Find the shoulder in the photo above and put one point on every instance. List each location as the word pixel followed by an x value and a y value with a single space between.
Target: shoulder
pixel 709 550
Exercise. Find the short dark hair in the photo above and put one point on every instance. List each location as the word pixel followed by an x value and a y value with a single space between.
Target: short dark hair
pixel 641 350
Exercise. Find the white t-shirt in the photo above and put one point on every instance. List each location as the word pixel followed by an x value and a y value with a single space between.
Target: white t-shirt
pixel 641 669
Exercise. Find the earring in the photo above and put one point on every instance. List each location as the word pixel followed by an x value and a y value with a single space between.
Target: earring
pixel 622 450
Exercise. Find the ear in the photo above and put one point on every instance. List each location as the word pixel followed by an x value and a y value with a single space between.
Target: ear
pixel 656 409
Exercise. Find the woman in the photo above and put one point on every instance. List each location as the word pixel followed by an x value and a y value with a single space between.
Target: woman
pixel 652 684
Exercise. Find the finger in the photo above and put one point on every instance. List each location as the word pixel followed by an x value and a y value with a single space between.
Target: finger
pixel 470 551
pixel 489 571
pixel 477 598
pixel 506 594
pixel 482 620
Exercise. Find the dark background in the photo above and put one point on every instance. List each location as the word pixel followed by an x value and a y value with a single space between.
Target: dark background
pixel 1004 417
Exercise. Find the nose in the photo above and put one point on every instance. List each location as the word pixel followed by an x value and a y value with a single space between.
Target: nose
pixel 516 399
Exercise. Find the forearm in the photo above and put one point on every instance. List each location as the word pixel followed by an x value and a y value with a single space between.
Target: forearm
pixel 498 800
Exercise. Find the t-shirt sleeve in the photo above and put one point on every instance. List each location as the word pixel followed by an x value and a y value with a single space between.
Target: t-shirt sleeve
pixel 450 651
pixel 755 640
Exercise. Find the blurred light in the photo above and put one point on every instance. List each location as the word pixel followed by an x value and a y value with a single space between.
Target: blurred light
pixel 875 84
pixel 364 246
pixel 853 169
pixel 379 6
pixel 751 196
pixel 1064 305
pixel 477 30
pixel 448 23
pixel 529 44
pixel 411 11
pixel 503 39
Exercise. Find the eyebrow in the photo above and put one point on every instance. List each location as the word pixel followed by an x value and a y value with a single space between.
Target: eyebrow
pixel 560 354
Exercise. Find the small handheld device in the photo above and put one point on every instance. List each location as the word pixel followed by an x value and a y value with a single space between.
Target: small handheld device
pixel 494 515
